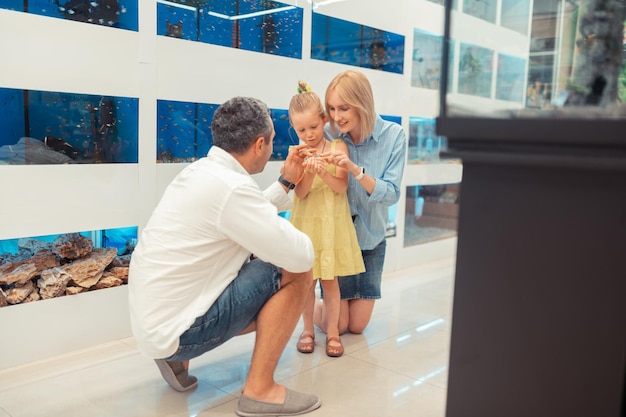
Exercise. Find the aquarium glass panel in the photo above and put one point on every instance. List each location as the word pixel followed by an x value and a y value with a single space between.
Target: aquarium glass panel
pixel 391 229
pixel 122 14
pixel 391 118
pixel 43 267
pixel 425 145
pixel 431 213
pixel 427 52
pixel 184 131
pixel 475 70
pixel 253 25
pixel 285 135
pixel 45 127
pixel 345 42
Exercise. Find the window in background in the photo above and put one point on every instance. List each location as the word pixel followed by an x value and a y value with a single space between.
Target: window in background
pixel 254 25
pixel 541 74
pixel 47 127
pixel 515 15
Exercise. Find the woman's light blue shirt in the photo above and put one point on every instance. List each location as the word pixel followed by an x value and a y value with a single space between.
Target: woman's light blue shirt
pixel 383 155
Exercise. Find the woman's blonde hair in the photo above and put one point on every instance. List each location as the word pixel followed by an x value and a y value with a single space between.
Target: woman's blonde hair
pixel 354 88
pixel 306 100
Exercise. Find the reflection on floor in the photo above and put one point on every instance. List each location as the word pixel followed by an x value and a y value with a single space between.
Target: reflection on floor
pixel 398 367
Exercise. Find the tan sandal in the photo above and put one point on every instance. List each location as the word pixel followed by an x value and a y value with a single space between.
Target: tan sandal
pixel 306 347
pixel 334 351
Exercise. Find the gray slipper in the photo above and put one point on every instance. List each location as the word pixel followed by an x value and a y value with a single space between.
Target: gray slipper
pixel 296 403
pixel 175 374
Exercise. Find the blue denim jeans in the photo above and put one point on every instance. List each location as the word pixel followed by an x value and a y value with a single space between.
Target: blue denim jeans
pixel 365 285
pixel 235 309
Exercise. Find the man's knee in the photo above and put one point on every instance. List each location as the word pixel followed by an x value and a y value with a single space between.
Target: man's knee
pixel 303 281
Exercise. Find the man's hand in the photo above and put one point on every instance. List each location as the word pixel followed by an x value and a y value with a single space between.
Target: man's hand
pixel 293 168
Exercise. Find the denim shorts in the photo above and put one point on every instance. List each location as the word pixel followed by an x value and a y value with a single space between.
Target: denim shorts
pixel 235 309
pixel 366 284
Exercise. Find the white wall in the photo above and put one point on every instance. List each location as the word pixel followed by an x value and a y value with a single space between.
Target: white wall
pixel 41 53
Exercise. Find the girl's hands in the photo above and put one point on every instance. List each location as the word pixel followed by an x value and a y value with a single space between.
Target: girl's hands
pixel 315 165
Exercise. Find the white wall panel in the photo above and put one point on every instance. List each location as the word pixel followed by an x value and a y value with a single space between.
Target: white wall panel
pixel 42 53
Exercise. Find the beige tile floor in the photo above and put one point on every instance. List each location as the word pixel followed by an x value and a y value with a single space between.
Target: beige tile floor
pixel 397 367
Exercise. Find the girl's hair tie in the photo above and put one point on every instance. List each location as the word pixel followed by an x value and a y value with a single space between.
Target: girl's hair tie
pixel 303 87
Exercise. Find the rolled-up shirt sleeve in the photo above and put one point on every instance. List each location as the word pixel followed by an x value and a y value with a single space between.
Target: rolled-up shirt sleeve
pixel 276 195
pixel 249 218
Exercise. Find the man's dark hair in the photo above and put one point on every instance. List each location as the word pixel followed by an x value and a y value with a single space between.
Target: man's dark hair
pixel 238 122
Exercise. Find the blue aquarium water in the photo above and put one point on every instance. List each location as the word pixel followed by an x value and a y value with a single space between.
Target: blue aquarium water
pixel 424 143
pixel 184 131
pixel 117 238
pixel 46 127
pixel 121 14
pixel 351 43
pixel 253 25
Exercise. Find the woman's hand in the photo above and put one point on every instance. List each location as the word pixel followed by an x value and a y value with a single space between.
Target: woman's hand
pixel 341 159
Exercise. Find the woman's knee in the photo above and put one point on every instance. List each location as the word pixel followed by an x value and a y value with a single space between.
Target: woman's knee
pixel 360 313
pixel 356 328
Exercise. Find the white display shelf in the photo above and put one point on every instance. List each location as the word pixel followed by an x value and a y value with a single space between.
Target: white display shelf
pixel 46 328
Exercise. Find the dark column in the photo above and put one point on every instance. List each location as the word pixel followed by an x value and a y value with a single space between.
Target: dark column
pixel 539 318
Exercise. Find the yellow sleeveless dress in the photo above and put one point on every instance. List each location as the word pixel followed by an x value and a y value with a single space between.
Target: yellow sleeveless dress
pixel 324 216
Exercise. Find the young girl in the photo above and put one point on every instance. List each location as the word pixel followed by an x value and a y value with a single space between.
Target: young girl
pixel 321 211
pixel 375 159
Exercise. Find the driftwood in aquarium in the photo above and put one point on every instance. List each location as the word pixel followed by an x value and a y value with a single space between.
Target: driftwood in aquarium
pixel 44 270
